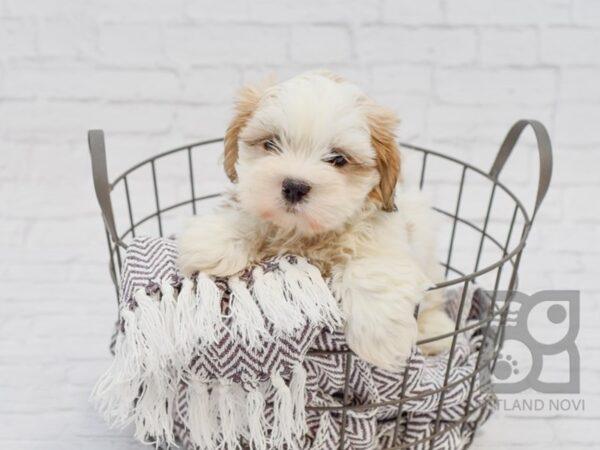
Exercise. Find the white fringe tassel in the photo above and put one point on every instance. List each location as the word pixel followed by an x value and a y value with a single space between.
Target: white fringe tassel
pixel 154 412
pixel 269 291
pixel 152 325
pixel 185 332
pixel 298 393
pixel 255 407
pixel 283 414
pixel 167 305
pixel 230 426
pixel 209 319
pixel 201 420
pixel 247 320
pixel 330 312
pixel 114 393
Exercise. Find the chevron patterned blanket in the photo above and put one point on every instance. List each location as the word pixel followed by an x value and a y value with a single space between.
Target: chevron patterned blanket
pixel 213 363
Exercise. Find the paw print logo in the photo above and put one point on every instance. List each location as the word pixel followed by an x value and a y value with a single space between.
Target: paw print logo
pixel 506 366
pixel 539 327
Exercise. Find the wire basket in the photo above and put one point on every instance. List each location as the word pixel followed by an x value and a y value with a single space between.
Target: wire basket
pixel 485 235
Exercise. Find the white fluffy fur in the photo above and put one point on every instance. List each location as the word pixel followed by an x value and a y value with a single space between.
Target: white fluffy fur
pixel 381 263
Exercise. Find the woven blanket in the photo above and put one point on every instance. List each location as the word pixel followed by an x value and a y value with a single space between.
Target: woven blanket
pixel 214 363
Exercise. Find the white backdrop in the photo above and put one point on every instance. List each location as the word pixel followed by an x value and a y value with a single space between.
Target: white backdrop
pixel 156 74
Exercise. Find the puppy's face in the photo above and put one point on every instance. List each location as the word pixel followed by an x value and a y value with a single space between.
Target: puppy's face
pixel 309 152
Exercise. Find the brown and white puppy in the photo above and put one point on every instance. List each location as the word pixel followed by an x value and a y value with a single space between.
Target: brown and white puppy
pixel 315 166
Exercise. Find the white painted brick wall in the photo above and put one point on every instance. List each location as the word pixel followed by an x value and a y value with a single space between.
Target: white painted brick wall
pixel 159 73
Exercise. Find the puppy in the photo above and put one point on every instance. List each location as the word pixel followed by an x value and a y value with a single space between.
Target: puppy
pixel 315 166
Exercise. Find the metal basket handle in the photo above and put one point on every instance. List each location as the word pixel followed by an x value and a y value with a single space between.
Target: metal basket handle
pixel 545 155
pixel 101 183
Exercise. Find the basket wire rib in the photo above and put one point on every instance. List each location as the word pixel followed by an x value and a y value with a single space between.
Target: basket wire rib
pixel 510 256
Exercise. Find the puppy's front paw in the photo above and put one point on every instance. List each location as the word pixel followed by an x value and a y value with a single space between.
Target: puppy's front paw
pixel 383 342
pixel 379 299
pixel 211 244
pixel 432 323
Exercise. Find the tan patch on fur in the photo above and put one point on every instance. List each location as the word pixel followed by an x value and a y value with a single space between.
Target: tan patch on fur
pixel 247 102
pixel 382 124
pixel 325 250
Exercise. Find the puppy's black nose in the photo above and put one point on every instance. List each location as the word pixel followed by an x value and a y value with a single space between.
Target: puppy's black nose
pixel 294 190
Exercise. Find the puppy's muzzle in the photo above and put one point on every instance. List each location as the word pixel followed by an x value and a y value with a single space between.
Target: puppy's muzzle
pixel 294 191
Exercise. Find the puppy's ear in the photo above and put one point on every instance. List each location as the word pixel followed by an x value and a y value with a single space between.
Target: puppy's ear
pixel 246 103
pixel 382 125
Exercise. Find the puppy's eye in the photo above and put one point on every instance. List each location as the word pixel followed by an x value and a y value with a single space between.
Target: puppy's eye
pixel 337 160
pixel 270 145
